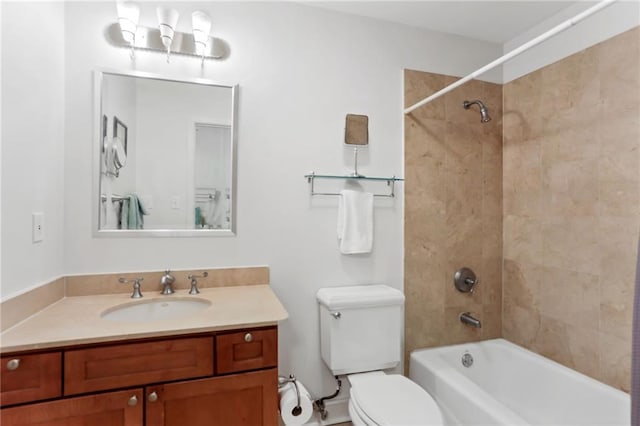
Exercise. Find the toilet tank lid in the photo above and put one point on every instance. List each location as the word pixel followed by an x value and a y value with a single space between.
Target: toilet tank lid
pixel 359 296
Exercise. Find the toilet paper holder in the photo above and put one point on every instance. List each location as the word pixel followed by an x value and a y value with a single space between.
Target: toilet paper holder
pixel 282 381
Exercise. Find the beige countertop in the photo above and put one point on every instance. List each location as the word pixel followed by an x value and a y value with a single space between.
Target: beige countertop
pixel 77 320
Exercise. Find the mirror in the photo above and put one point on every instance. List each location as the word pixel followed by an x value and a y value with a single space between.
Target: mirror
pixel 356 130
pixel 165 156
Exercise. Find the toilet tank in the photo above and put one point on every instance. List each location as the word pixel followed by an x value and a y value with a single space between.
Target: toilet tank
pixel 360 327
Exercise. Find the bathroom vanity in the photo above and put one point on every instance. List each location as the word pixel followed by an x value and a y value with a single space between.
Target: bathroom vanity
pixel 207 370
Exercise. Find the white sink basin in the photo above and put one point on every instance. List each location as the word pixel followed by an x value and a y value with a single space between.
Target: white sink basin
pixel 156 309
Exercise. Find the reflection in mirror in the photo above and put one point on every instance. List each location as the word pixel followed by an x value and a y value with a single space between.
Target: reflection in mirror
pixel 166 156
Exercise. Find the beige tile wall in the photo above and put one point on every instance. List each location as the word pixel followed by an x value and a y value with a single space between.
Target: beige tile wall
pixel 453 211
pixel 572 208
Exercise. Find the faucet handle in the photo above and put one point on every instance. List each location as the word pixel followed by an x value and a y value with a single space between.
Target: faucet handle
pixel 194 282
pixel 136 286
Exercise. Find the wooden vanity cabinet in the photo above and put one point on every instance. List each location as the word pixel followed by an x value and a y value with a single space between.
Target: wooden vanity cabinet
pixel 170 381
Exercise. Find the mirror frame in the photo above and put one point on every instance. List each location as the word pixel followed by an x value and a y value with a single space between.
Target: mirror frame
pixel 99 75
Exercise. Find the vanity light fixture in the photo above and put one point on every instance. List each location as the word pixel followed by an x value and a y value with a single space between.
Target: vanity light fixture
pixel 165 38
pixel 167 21
pixel 201 24
pixel 128 15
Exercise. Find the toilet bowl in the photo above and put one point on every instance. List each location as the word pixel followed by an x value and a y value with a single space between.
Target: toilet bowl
pixel 392 400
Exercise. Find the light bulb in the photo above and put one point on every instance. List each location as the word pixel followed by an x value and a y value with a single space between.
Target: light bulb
pixel 128 15
pixel 201 24
pixel 167 20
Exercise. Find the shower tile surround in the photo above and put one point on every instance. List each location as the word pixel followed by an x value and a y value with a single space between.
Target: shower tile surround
pixel 571 208
pixel 565 196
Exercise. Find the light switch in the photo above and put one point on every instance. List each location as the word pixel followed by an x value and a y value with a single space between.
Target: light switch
pixel 37 222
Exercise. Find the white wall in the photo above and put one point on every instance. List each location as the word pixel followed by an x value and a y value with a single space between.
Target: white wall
pixel 32 142
pixel 615 19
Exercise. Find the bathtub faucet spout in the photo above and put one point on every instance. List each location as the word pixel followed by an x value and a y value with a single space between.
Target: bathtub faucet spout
pixel 468 319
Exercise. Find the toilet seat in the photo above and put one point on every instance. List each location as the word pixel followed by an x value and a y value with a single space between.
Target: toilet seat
pixel 393 400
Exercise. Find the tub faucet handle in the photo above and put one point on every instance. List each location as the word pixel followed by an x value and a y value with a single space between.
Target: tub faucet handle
pixel 471 282
pixel 465 280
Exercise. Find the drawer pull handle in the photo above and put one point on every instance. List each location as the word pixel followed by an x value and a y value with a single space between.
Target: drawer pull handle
pixel 248 337
pixel 133 401
pixel 153 397
pixel 13 364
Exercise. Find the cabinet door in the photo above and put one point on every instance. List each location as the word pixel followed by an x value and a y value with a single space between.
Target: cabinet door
pixel 122 408
pixel 249 399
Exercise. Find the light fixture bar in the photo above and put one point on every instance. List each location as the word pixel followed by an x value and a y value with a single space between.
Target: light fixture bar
pixel 183 43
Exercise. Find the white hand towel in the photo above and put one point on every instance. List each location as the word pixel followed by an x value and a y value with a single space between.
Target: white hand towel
pixel 355 221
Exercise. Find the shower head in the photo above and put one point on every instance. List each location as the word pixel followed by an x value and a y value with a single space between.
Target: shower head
pixel 484 113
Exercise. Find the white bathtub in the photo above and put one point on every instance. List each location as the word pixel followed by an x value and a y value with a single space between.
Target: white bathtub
pixel 509 385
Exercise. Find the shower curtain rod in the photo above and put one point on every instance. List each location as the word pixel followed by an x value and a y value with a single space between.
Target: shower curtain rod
pixel 515 52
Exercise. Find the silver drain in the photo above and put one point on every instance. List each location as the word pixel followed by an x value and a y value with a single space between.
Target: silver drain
pixel 467 359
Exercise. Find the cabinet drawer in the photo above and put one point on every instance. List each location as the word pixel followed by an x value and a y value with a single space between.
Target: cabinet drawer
pixel 112 367
pixel 31 378
pixel 246 350
pixel 122 408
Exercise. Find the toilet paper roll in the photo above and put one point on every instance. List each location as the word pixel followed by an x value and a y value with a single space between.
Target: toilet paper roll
pixel 289 401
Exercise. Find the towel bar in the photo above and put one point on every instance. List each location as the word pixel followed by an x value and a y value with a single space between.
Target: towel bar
pixel 114 198
pixel 389 180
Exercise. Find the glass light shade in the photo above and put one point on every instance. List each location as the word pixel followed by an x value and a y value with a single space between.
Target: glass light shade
pixel 167 20
pixel 128 15
pixel 201 24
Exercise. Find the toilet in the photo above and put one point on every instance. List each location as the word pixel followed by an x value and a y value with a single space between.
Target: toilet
pixel 360 335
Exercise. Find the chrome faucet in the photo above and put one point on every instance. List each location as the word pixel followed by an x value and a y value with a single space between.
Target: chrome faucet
pixel 468 319
pixel 167 281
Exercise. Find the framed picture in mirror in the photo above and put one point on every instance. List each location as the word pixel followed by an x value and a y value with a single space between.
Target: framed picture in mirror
pixel 120 130
pixel 105 120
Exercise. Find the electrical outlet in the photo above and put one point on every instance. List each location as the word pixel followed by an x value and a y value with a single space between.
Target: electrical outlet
pixel 37 222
